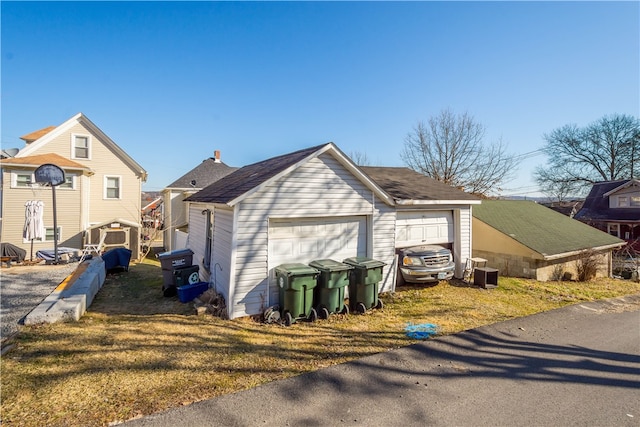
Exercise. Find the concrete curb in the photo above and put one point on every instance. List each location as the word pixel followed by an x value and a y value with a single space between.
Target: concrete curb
pixel 69 301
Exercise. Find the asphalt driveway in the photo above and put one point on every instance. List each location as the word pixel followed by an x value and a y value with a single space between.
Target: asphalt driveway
pixel 575 366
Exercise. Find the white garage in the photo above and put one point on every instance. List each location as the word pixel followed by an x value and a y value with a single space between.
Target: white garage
pixel 316 204
pixel 424 227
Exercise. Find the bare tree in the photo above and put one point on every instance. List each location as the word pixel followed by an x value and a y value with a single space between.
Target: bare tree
pixel 450 148
pixel 556 187
pixel 606 150
pixel 360 158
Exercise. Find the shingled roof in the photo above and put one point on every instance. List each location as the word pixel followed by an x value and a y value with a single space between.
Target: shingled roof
pixel 30 137
pixel 205 174
pixel 596 205
pixel 41 159
pixel 249 177
pixel 404 184
pixel 541 229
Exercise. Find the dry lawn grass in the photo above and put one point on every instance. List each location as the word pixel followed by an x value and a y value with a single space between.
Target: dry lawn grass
pixel 135 352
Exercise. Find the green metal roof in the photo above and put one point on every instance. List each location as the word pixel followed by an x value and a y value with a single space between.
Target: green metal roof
pixel 540 228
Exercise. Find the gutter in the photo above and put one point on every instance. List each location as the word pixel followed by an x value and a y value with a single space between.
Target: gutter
pixel 578 252
pixel 412 202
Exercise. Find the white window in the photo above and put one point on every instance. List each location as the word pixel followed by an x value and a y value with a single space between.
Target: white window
pixel 22 179
pixel 69 182
pixel 613 229
pixel 48 234
pixel 623 202
pixel 80 146
pixel 112 187
pixel 635 201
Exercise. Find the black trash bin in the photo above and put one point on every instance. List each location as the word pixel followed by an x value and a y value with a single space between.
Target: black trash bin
pixel 170 261
pixel 296 283
pixel 330 289
pixel 363 283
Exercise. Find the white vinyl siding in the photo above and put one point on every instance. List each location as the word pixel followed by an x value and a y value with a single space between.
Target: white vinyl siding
pixel 462 246
pixel 222 251
pixel 383 227
pixel 628 197
pixel 319 188
pixel 196 241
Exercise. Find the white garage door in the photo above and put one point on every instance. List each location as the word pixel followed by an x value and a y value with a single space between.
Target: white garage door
pixel 305 240
pixel 415 228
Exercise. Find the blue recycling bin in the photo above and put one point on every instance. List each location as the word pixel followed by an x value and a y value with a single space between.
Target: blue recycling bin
pixel 117 258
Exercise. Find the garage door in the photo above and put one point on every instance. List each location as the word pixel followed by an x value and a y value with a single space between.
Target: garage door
pixel 304 240
pixel 415 228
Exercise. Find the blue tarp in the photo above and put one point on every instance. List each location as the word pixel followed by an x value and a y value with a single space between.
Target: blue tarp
pixel 422 331
pixel 118 257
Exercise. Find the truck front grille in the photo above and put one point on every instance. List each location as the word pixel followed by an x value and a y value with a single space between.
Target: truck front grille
pixel 435 261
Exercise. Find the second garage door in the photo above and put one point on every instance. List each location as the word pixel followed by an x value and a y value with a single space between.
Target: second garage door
pixel 426 227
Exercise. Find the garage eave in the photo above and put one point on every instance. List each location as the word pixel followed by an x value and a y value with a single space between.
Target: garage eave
pixel 409 202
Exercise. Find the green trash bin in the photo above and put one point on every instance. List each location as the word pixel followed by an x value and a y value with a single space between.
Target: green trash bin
pixel 332 280
pixel 363 283
pixel 296 283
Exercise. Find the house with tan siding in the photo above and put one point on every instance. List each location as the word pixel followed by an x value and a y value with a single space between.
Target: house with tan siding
pixel 522 238
pixel 101 193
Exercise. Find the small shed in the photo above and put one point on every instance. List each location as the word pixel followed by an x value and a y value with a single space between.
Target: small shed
pixel 524 239
pixel 120 233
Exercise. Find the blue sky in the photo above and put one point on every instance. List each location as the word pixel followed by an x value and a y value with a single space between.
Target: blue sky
pixel 170 82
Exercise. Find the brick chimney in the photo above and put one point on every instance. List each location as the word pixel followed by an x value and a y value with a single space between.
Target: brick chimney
pixel 216 155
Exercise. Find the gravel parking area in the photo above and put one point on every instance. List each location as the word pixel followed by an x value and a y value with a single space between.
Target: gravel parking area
pixel 22 288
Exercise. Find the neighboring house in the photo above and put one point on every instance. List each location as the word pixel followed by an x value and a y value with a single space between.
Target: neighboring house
pixel 175 210
pixel 525 239
pixel 307 205
pixel 614 207
pixel 152 216
pixel 100 195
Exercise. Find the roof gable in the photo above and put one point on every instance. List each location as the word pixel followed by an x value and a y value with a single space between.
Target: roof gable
pixel 407 186
pixel 30 137
pixel 596 205
pixel 627 184
pixel 541 229
pixel 205 174
pixel 247 180
pixel 88 124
